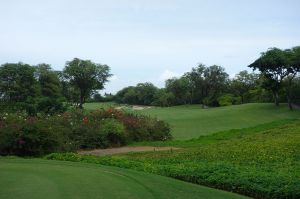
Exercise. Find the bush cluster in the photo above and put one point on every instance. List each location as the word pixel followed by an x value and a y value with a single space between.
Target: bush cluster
pixel 71 131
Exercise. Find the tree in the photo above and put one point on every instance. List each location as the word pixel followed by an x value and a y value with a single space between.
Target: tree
pixel 17 82
pixel 97 97
pixel 243 83
pixel 293 56
pixel 120 94
pixel 145 93
pixel 216 81
pixel 196 82
pixel 295 91
pixel 130 96
pixel 180 89
pixel 68 91
pixel 108 97
pixel 206 84
pixel 260 93
pixel 163 98
pixel 276 65
pixel 48 80
pixel 18 87
pixel 86 76
pixel 50 100
pixel 142 94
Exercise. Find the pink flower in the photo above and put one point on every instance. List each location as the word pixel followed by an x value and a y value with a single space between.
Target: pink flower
pixel 85 120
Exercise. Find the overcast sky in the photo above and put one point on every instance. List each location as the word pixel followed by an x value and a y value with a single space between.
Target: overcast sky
pixel 146 40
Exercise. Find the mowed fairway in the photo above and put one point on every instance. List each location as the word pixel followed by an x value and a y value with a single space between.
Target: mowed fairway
pixel 96 105
pixel 35 179
pixel 192 121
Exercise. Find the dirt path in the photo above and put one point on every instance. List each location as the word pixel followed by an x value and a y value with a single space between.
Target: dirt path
pixel 127 149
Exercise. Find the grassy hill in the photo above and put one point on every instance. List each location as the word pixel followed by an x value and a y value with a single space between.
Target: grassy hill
pixel 252 149
pixel 192 121
pixel 35 179
pixel 262 161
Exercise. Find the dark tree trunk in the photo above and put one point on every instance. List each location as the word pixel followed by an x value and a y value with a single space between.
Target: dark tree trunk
pixel 290 102
pixel 81 100
pixel 192 95
pixel 289 94
pixel 242 99
pixel 81 104
pixel 276 98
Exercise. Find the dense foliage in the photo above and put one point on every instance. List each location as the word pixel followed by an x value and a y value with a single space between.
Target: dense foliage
pixel 86 76
pixel 262 162
pixel 208 86
pixel 141 94
pixel 40 89
pixel 276 65
pixel 30 89
pixel 70 131
pixel 201 85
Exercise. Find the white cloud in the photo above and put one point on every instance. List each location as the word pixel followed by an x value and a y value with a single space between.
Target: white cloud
pixel 167 74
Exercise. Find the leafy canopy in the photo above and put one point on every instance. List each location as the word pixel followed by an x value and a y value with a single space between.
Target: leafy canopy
pixel 86 76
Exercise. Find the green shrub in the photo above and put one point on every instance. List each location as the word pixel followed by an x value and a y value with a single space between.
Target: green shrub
pixel 88 137
pixel 114 132
pixel 51 106
pixel 228 99
pixel 157 129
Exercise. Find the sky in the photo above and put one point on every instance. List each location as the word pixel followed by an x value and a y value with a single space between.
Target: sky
pixel 143 40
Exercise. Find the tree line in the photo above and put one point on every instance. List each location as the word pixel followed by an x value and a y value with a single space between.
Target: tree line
pixel 35 89
pixel 277 79
pixel 39 88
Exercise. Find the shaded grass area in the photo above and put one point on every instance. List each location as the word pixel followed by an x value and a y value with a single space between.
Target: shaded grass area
pixel 35 179
pixel 192 121
pixel 262 162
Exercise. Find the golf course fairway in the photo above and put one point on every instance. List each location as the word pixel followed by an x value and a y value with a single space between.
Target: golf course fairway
pixel 35 179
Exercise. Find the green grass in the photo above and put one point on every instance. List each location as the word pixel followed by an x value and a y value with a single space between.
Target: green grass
pixel 262 162
pixel 35 179
pixel 96 105
pixel 192 121
pixel 251 149
pixel 216 137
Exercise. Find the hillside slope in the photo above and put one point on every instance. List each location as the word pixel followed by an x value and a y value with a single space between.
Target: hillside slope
pixel 262 162
pixel 192 121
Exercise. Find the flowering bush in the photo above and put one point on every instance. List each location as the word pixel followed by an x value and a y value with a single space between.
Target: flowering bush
pixel 70 131
pixel 30 136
